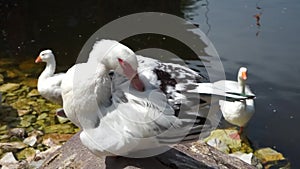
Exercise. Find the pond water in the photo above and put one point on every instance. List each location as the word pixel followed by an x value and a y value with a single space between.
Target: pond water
pixel 269 48
pixel 271 53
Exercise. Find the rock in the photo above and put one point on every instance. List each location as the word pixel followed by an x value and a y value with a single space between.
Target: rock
pixel 43 154
pixel 18 132
pixel 31 140
pixel 268 154
pixel 33 93
pixel 60 128
pixel 4 127
pixel 8 87
pixel 55 138
pixel 42 116
pixel 74 155
pixel 29 66
pixel 20 165
pixel 224 136
pixel 62 120
pixel 11 74
pixel 48 142
pixel 30 82
pixel 12 146
pixel 4 137
pixel 243 156
pixel 36 133
pixel 27 154
pixel 27 120
pixel 218 144
pixel 1 79
pixel 8 158
pixel 23 112
pixel 24 123
pixel 21 104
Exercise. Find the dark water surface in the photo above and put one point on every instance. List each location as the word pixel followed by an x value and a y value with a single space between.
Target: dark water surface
pixel 271 52
pixel 270 48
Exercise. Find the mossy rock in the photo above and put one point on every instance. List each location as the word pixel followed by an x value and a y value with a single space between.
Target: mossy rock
pixel 268 154
pixel 42 116
pixel 30 82
pixel 9 87
pixel 27 120
pixel 27 153
pixel 21 104
pixel 1 79
pixel 60 128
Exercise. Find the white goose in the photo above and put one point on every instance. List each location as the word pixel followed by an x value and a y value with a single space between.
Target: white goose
pixel 48 82
pixel 237 112
pixel 119 116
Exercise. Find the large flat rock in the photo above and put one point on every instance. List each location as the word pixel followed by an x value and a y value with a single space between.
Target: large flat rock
pixel 74 155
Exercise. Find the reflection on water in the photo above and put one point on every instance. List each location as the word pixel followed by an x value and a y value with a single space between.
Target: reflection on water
pixel 269 47
pixel 258 15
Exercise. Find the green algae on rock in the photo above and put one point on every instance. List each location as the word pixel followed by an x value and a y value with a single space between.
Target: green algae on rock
pixel 233 144
pixel 268 154
pixel 60 128
pixel 26 116
pixel 9 87
pixel 27 154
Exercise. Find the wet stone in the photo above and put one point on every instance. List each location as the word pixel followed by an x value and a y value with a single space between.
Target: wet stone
pixel 29 66
pixel 11 74
pixel 21 104
pixel 4 137
pixel 30 82
pixel 4 127
pixel 27 154
pixel 27 120
pixel 8 87
pixel 23 112
pixel 12 146
pixel 62 120
pixel 31 140
pixel 56 138
pixel 42 116
pixel 8 158
pixel 33 93
pixel 268 154
pixel 18 132
pixel 221 137
pixel 60 128
pixel 1 79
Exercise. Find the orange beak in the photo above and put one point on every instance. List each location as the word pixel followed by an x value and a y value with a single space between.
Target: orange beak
pixel 38 59
pixel 132 74
pixel 244 75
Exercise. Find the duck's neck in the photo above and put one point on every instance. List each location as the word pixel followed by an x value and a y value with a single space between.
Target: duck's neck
pixel 49 70
pixel 104 89
pixel 242 86
pixel 98 90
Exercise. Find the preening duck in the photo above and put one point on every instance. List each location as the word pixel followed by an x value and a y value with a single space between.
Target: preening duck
pixel 138 108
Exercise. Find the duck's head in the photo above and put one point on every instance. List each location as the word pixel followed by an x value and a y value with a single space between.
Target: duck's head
pixel 45 56
pixel 242 75
pixel 119 58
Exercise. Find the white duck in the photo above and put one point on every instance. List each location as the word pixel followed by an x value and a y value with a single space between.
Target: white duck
pixel 181 85
pixel 121 116
pixel 237 112
pixel 48 82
